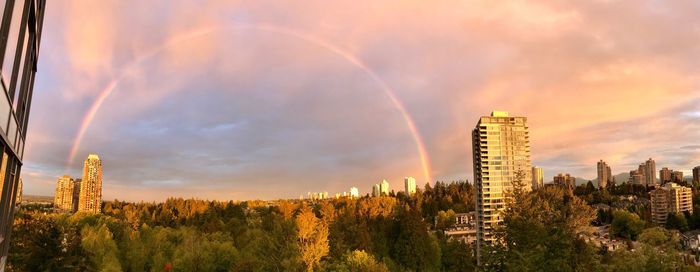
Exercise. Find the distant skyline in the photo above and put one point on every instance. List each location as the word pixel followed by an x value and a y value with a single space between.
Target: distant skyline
pixel 273 99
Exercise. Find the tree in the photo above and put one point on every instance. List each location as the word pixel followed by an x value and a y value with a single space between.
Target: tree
pixel 626 224
pixel 659 237
pixel 456 256
pixel 415 249
pixel 445 219
pixel 359 260
pixel 313 238
pixel 658 251
pixel 45 243
pixel 541 232
pixel 677 222
pixel 204 252
pixel 98 241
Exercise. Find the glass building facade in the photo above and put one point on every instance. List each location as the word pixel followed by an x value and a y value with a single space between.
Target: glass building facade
pixel 20 36
pixel 501 153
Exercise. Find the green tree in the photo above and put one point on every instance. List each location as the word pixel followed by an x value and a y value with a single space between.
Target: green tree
pixel 456 256
pixel 359 260
pixel 204 252
pixel 658 251
pixel 677 222
pixel 98 241
pixel 445 219
pixel 415 249
pixel 541 232
pixel 626 224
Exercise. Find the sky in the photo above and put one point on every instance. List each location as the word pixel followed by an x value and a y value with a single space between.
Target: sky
pixel 273 99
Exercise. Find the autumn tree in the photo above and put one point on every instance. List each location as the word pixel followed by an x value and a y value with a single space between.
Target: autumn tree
pixel 313 238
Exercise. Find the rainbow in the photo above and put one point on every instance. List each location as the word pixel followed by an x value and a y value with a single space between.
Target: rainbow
pixel 111 87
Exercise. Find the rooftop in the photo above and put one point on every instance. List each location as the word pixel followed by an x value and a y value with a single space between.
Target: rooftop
pixel 499 114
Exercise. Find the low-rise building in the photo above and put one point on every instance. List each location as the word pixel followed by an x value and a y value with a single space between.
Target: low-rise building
pixel 691 240
pixel 464 228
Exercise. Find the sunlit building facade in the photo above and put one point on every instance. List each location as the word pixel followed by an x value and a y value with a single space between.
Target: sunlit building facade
pixel 565 180
pixel 384 187
pixel 677 176
pixel 636 177
pixel 90 199
pixel 650 172
pixel 665 175
pixel 501 154
pixel 670 198
pixel 410 185
pixel 20 30
pixel 604 174
pixel 354 192
pixel 537 177
pixel 64 197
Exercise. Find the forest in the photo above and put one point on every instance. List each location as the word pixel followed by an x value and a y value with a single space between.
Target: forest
pixel 543 231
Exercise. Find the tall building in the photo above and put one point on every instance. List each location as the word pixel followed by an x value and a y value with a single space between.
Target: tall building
pixel 376 190
pixel 565 180
pixel 76 193
pixel 65 194
pixel 636 177
pixel 20 29
pixel 650 172
pixel 670 198
pixel 665 175
pixel 354 192
pixel 91 186
pixel 677 176
pixel 604 174
pixel 410 185
pixel 696 176
pixel 537 177
pixel 501 155
pixel 317 195
pixel 384 187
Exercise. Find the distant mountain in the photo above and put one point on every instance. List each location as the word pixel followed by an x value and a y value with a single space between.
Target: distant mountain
pixel 622 177
pixel 580 181
pixel 619 178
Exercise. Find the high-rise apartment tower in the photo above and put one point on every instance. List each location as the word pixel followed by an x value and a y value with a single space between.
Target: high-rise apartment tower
pixel 91 186
pixel 604 174
pixel 537 177
pixel 410 185
pixel 501 155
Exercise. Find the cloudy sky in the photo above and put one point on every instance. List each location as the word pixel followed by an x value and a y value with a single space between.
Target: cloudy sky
pixel 268 99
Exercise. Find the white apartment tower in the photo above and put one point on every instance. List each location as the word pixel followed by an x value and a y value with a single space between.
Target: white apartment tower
pixel 410 184
pixel 384 187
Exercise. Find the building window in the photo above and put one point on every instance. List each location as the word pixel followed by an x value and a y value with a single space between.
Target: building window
pixel 12 40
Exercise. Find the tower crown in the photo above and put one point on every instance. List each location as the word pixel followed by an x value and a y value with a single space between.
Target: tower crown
pixel 499 114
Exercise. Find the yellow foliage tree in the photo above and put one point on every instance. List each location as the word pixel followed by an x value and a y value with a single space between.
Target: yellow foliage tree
pixel 313 238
